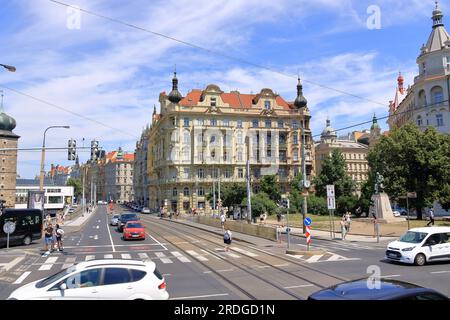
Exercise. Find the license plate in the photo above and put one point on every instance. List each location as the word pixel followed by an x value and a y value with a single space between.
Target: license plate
pixel 392 255
pixel 135 235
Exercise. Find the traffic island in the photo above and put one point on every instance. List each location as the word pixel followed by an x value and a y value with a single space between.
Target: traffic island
pixel 305 252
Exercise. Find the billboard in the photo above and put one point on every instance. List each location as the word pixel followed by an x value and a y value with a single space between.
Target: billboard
pixel 36 199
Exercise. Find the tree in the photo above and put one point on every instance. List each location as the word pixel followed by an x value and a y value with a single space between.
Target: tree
pixel 333 172
pixel 295 197
pixel 76 184
pixel 270 186
pixel 317 205
pixel 261 203
pixel 412 160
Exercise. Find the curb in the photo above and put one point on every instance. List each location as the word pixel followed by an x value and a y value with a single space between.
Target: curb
pixel 305 253
pixel 79 227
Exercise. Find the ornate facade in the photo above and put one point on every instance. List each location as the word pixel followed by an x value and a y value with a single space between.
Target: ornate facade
pixel 207 136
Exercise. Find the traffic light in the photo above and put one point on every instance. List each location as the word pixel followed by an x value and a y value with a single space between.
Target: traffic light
pixel 72 150
pixel 94 150
pixel 285 203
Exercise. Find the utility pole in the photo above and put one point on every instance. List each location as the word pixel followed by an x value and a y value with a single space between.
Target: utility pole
pixel 249 193
pixel 305 182
pixel 83 204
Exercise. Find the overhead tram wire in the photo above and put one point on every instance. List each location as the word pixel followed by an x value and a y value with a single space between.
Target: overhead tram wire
pixel 217 53
pixel 68 111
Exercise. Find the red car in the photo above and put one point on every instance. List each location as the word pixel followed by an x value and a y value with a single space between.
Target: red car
pixel 133 230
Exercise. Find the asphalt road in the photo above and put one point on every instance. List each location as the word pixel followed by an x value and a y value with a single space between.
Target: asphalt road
pixel 196 266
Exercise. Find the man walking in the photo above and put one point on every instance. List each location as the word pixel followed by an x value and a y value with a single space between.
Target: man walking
pixel 48 238
pixel 222 220
pixel 343 227
pixel 431 216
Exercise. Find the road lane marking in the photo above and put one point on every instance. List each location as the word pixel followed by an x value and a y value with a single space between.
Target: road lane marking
pixel 245 252
pixel 126 256
pixel 436 272
pixel 225 270
pixel 210 254
pixel 180 257
pixel 314 258
pixel 295 256
pixel 196 255
pixel 390 276
pixel 228 253
pixel 336 257
pixel 89 257
pixel 48 264
pixel 156 241
pixel 117 245
pixel 11 264
pixel 281 265
pixel 110 238
pixel 22 277
pixel 263 267
pixel 300 286
pixel 163 257
pixel 143 255
pixel 200 297
pixel 108 256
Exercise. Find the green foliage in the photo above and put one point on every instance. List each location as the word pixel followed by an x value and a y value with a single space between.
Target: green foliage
pixel 347 203
pixel 412 160
pixel 270 186
pixel 77 186
pixel 333 172
pixel 261 203
pixel 295 197
pixel 317 205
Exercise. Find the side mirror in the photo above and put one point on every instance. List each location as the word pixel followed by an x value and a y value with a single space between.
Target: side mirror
pixel 63 286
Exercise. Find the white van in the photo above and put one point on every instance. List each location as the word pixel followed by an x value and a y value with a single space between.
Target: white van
pixel 421 245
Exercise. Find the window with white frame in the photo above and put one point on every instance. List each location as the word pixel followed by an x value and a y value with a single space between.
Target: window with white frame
pixel 295 155
pixel 294 124
pixel 226 122
pixel 240 156
pixel 295 138
pixel 267 105
pixel 239 123
pixel 174 192
pixel 255 123
pixel 200 122
pixel 268 123
pixel 280 124
pixel 186 122
pixel 186 192
pixel 439 120
pixel 213 101
pixel 201 191
pixel 228 173
pixel 240 139
pixel 201 173
pixel 213 122
pixel 240 173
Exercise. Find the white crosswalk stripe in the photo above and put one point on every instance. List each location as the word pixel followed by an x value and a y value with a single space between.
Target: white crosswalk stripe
pixel 48 263
pixel 126 256
pixel 180 257
pixel 143 255
pixel 245 252
pixel 210 254
pixel 314 258
pixel 108 256
pixel 89 257
pixel 196 255
pixel 163 257
pixel 22 277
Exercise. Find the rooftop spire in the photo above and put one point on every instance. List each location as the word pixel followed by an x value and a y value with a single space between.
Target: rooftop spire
pixel 300 101
pixel 154 110
pixel 437 16
pixel 175 95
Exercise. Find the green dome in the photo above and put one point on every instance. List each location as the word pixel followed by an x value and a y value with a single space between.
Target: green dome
pixel 7 123
pixel 375 124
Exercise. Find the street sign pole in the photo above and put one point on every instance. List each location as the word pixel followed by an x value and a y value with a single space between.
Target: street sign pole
pixel 407 210
pixel 331 233
pixel 7 242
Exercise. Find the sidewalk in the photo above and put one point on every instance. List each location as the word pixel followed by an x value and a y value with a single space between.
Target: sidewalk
pixel 76 224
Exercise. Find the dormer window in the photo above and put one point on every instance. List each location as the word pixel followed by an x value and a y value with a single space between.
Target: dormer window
pixel 213 102
pixel 424 67
pixel 267 105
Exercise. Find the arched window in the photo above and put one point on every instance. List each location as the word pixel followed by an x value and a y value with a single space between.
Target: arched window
pixel 187 138
pixel 201 191
pixel 419 120
pixel 422 98
pixel 186 153
pixel 186 192
pixel 437 95
pixel 239 138
pixel 174 192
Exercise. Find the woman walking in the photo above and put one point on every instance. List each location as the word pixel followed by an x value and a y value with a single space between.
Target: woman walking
pixel 343 227
pixel 227 240
pixel 59 234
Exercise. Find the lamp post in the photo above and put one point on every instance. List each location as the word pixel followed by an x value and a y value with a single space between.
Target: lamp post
pixel 9 68
pixel 41 180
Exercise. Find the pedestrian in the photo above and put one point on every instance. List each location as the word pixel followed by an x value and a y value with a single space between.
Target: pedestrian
pixel 59 234
pixel 222 221
pixel 227 240
pixel 48 238
pixel 348 220
pixel 343 227
pixel 279 217
pixel 375 227
pixel 431 217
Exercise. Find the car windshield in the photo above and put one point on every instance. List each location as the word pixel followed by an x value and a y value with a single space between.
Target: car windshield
pixel 129 217
pixel 56 277
pixel 116 217
pixel 413 237
pixel 134 225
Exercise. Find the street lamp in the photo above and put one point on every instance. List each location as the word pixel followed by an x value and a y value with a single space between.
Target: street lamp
pixel 41 180
pixel 9 68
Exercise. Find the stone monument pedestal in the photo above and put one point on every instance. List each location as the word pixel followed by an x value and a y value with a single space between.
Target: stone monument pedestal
pixel 383 209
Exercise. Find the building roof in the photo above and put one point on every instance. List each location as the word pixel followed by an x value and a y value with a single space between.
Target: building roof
pixel 439 36
pixel 126 157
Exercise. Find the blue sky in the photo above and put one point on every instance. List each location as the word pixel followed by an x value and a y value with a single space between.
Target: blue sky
pixel 114 74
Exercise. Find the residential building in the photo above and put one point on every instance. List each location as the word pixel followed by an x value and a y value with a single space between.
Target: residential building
pixel 426 102
pixel 354 152
pixel 8 158
pixel 207 136
pixel 118 176
pixel 140 184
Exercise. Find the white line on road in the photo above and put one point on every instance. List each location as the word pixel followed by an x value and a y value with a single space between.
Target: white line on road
pixel 444 271
pixel 281 265
pixel 22 277
pixel 199 297
pixel 263 267
pixel 245 252
pixel 89 257
pixel 180 257
pixel 109 232
pixel 225 270
pixel 208 253
pixel 163 257
pixel 48 264
pixel 314 258
pixel 196 255
pixel 301 286
pixel 117 245
pixel 143 255
pixel 156 241
pixel 11 264
pixel 108 256
pixel 207 271
pixel 390 276
pixel 126 256
pixel 96 237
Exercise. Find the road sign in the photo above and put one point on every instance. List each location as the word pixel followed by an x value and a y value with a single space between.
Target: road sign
pixel 308 221
pixel 307 184
pixel 411 195
pixel 331 203
pixel 308 236
pixel 9 227
pixel 330 190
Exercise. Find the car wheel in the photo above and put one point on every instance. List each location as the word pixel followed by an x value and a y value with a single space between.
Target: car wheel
pixel 27 240
pixel 420 260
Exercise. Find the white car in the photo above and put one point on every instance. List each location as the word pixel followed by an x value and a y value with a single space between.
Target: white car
pixel 421 245
pixel 115 220
pixel 99 279
pixel 396 213
pixel 145 210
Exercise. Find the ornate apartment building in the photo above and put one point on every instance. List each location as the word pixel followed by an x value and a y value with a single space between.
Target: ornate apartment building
pixel 208 135
pixel 140 179
pixel 118 176
pixel 426 102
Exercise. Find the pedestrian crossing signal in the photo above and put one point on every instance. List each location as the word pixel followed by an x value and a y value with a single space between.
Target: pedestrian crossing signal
pixel 72 150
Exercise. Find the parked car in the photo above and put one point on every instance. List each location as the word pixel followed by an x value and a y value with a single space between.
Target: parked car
pixel 396 213
pixel 145 210
pixel 114 220
pixel 124 218
pixel 386 289
pixel 99 279
pixel 421 245
pixel 71 210
pixel 133 230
